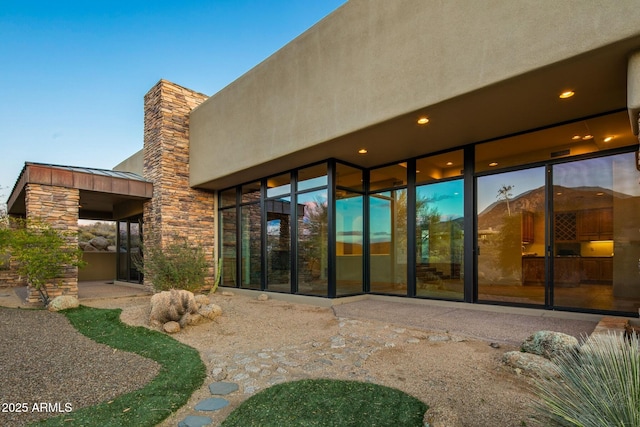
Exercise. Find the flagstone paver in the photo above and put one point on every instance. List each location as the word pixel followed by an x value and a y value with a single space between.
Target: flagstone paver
pixel 195 421
pixel 211 404
pixel 223 388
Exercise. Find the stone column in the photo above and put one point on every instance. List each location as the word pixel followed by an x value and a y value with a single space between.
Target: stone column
pixel 57 206
pixel 176 209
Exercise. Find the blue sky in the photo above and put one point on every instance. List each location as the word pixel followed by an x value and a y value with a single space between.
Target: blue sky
pixel 73 74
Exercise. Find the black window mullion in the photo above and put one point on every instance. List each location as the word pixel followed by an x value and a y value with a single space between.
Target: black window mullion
pixel 293 234
pixel 238 238
pixel 470 230
pixel 331 225
pixel 263 235
pixel 411 228
pixel 366 249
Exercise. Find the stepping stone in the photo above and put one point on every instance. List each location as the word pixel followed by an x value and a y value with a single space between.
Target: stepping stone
pixel 195 421
pixel 212 404
pixel 222 388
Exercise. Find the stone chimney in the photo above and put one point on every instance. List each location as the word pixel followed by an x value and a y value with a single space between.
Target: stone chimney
pixel 176 209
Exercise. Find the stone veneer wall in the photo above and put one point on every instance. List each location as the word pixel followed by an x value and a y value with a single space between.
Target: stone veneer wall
pixel 57 206
pixel 176 209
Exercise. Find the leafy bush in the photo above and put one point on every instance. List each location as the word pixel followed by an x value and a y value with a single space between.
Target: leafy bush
pixel 598 385
pixel 178 265
pixel 42 253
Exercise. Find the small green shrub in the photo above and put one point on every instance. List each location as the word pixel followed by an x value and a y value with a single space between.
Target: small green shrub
pixel 178 265
pixel 41 252
pixel 598 385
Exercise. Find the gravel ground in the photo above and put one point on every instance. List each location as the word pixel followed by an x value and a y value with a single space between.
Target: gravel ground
pixel 449 366
pixel 43 359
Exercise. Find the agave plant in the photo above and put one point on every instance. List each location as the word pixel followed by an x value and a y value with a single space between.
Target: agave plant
pixel 597 385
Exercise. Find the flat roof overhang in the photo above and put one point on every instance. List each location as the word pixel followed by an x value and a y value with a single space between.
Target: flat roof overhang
pixel 516 105
pixel 104 194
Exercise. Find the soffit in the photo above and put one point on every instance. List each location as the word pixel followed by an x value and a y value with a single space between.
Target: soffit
pixel 517 105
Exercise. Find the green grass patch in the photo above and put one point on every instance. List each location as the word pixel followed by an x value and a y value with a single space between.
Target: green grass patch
pixel 323 402
pixel 181 372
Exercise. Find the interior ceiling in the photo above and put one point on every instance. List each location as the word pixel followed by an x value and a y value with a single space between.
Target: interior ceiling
pixel 521 104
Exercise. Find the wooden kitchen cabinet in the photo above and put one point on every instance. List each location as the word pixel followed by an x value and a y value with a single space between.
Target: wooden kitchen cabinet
pixel 533 271
pixel 597 270
pixel 595 224
pixel 566 271
pixel 527 227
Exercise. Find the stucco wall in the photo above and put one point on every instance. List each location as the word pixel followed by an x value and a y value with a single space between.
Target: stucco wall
pixel 372 60
pixel 100 266
pixel 134 164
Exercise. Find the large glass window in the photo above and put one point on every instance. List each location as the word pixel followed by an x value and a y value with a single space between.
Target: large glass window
pixel 349 242
pixel 511 236
pixel 440 240
pixel 278 207
pixel 388 242
pixel 313 233
pixel 596 250
pixel 228 227
pixel 251 248
pixel 128 242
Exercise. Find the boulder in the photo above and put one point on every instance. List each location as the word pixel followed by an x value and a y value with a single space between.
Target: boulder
pixel 171 327
pixel 263 297
pixel 530 364
pixel 63 302
pixel 174 305
pixel 202 300
pixel 195 319
pixel 210 311
pixel 100 243
pixel 549 344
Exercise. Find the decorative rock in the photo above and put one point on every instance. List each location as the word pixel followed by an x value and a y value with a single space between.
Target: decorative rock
pixel 530 364
pixel 174 305
pixel 195 319
pixel 99 242
pixel 223 388
pixel 212 404
pixel 202 300
pixel 441 417
pixel 263 297
pixel 171 327
pixel 549 344
pixel 218 374
pixel 63 302
pixel 195 421
pixel 210 311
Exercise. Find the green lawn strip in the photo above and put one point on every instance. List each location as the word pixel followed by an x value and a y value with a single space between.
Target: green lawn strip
pixel 181 373
pixel 323 402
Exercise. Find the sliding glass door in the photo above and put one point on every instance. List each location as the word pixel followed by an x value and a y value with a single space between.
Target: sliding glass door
pixel 596 246
pixel 511 237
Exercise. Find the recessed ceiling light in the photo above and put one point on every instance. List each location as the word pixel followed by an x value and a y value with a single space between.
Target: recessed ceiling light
pixel 449 163
pixel 492 164
pixel 423 120
pixel 576 137
pixel 584 138
pixel 362 151
pixel 567 94
pixel 607 139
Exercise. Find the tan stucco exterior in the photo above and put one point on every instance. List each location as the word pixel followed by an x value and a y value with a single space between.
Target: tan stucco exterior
pixel 134 164
pixel 373 62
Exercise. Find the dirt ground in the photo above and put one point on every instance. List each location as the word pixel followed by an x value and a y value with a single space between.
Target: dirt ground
pixel 457 375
